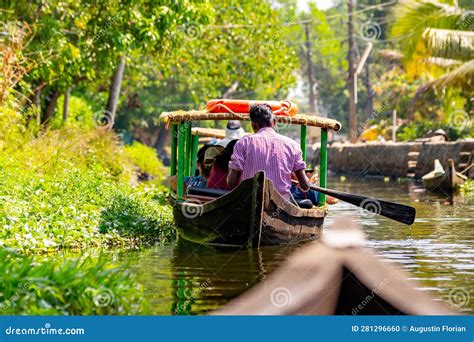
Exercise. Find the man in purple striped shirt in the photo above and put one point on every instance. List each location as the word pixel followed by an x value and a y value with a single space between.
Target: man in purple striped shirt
pixel 268 151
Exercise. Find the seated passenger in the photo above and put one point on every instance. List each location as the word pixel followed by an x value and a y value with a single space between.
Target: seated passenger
pixel 233 131
pixel 298 194
pixel 268 151
pixel 220 169
pixel 199 180
pixel 210 156
pixel 203 173
pixel 311 194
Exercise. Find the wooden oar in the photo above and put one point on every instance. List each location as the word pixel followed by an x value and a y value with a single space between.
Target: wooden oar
pixel 398 212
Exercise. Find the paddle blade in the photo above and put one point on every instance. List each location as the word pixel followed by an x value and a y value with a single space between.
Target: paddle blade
pixel 398 212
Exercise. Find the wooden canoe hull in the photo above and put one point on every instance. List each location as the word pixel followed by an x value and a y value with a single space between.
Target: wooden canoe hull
pixel 252 214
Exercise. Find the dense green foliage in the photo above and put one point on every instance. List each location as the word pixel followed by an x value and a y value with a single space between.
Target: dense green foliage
pixel 145 159
pixel 419 129
pixel 70 188
pixel 84 286
pixel 468 186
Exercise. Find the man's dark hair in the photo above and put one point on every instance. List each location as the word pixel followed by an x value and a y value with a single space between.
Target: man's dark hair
pixel 262 115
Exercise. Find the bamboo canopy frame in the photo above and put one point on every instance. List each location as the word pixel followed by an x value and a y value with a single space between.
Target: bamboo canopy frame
pixel 185 140
pixel 208 132
pixel 299 119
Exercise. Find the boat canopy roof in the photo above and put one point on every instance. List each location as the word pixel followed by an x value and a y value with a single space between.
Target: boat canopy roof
pixel 299 119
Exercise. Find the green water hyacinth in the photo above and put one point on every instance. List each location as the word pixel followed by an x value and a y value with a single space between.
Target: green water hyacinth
pixel 76 194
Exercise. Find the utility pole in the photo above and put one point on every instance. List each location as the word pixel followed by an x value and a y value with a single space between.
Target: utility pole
pixel 312 96
pixel 369 109
pixel 352 134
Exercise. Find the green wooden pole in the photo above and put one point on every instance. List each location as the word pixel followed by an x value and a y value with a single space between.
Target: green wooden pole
pixel 303 141
pixel 323 164
pixel 187 157
pixel 173 149
pixel 180 180
pixel 195 140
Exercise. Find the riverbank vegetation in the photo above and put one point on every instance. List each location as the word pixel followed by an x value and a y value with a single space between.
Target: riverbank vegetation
pixel 72 188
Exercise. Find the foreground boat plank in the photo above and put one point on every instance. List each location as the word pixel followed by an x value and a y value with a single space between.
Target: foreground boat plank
pixel 324 280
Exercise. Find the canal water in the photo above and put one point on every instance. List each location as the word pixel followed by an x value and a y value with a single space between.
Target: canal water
pixel 437 251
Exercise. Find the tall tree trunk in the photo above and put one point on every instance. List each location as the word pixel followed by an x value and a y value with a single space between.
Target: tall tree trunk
pixel 160 141
pixel 114 91
pixel 50 107
pixel 352 133
pixel 309 61
pixel 34 100
pixel 66 105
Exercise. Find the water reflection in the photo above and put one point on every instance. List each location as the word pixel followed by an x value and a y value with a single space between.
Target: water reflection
pixel 438 251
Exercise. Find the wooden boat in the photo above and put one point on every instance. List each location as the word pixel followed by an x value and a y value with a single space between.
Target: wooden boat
pixel 252 214
pixel 446 181
pixel 336 275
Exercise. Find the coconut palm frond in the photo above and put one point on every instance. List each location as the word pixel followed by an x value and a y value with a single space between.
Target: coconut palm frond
pixel 442 62
pixel 449 44
pixel 463 77
pixel 412 17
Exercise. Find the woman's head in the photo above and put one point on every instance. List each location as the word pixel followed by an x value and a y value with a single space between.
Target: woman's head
pixel 223 160
pixel 200 160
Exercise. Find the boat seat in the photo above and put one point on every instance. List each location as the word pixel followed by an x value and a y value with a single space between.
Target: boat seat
pixel 304 203
pixel 207 192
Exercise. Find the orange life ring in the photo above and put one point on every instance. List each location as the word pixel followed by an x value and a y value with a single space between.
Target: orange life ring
pixel 286 108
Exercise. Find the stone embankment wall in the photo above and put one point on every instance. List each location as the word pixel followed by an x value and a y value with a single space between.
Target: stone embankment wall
pixel 412 159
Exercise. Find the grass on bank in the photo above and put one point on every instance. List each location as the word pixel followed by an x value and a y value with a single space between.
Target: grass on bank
pixel 70 188
pixel 83 286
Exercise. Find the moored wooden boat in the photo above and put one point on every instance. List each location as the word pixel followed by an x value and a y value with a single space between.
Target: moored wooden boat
pixel 252 214
pixel 446 181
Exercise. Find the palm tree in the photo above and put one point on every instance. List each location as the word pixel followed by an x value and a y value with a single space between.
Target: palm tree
pixel 437 43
